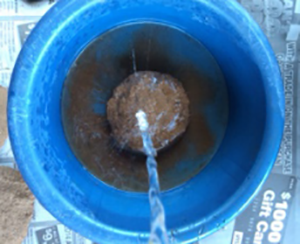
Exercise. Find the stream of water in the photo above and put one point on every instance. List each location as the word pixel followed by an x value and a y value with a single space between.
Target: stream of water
pixel 158 233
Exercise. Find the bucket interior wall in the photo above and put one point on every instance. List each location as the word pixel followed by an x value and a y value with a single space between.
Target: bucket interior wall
pixel 104 64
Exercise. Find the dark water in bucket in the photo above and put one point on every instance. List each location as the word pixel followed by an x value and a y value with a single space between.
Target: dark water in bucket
pixel 104 64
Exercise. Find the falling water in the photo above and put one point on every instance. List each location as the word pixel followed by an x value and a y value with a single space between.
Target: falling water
pixel 158 233
pixel 134 61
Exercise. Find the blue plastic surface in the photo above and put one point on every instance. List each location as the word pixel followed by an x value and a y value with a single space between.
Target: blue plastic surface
pixel 203 204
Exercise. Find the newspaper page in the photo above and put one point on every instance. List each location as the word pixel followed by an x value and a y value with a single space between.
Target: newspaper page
pixel 45 229
pixel 274 215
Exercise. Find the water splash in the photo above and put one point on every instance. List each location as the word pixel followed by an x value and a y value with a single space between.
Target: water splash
pixel 158 233
pixel 173 123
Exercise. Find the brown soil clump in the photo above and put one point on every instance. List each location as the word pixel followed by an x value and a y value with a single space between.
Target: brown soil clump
pixel 161 97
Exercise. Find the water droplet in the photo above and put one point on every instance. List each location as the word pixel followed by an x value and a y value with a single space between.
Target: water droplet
pixel 200 232
pixel 154 79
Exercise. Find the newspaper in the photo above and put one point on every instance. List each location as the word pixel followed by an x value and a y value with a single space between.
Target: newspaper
pixel 45 229
pixel 274 215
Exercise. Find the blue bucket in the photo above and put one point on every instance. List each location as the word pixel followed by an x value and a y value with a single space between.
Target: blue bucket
pixel 195 208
